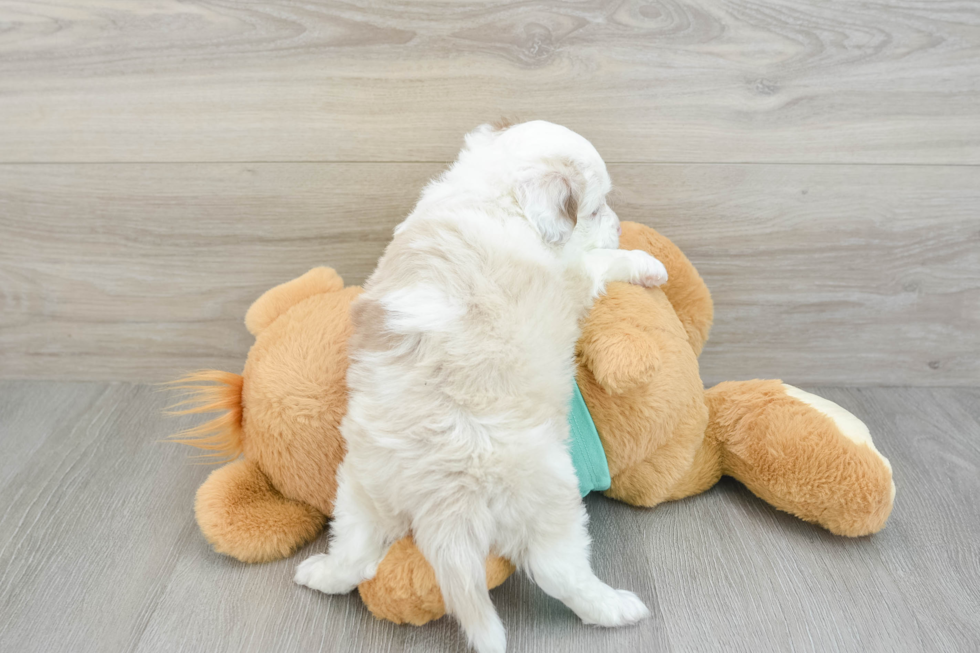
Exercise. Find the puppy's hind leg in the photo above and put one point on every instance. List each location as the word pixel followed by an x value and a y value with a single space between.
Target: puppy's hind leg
pixel 457 546
pixel 558 561
pixel 360 538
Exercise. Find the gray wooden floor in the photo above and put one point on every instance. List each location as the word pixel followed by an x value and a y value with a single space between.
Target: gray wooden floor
pixel 99 550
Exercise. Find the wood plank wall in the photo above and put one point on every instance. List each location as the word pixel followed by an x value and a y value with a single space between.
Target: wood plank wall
pixel 161 164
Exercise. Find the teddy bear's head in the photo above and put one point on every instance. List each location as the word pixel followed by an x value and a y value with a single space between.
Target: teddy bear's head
pixel 638 372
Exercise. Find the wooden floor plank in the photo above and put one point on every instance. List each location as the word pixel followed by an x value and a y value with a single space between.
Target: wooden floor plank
pixel 938 460
pixel 820 274
pixel 260 609
pixel 99 550
pixel 30 415
pixel 689 81
pixel 91 519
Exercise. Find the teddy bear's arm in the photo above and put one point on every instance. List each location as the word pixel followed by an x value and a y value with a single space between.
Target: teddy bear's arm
pixel 616 342
pixel 242 515
pixel 685 289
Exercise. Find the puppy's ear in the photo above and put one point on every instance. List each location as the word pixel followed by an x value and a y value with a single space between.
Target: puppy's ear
pixel 481 136
pixel 549 196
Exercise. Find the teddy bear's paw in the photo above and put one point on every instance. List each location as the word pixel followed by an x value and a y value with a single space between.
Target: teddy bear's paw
pixel 321 572
pixel 615 608
pixel 647 270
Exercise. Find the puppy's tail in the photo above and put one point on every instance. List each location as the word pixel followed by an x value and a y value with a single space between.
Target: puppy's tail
pixel 460 565
pixel 211 391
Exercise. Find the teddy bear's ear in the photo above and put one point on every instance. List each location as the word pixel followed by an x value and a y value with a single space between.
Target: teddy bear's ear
pixel 617 344
pixel 276 301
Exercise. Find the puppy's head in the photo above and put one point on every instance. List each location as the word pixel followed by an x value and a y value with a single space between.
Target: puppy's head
pixel 558 179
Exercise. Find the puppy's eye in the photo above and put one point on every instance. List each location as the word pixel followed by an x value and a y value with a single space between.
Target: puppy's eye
pixel 595 213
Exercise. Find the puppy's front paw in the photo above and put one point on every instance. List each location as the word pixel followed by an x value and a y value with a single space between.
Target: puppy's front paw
pixel 320 572
pixel 647 270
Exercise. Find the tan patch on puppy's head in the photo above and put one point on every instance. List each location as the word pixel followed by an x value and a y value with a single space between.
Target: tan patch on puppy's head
pixel 549 196
pixel 570 207
pixel 562 184
pixel 501 124
pixel 370 333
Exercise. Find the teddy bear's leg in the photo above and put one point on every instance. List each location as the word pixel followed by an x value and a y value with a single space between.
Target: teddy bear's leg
pixel 703 473
pixel 243 516
pixel 801 453
pixel 404 588
pixel 276 301
pixel 683 465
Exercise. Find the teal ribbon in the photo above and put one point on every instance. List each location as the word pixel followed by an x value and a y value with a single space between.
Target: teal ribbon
pixel 588 456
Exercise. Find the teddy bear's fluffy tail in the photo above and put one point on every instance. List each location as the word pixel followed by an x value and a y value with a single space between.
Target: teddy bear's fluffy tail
pixel 211 391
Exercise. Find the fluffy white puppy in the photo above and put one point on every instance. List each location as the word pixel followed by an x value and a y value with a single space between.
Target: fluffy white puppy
pixel 461 377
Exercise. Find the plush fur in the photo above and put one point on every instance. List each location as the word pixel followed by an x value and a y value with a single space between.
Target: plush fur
pixel 664 440
pixel 283 414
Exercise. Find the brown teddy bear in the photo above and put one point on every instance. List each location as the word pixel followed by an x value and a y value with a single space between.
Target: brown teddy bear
pixel 664 436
